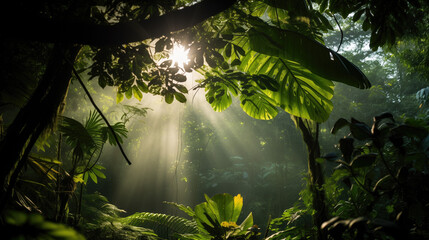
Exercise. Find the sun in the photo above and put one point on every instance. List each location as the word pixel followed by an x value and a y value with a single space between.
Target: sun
pixel 179 55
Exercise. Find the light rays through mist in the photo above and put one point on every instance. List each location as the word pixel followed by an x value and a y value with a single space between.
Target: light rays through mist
pixel 152 178
pixel 181 151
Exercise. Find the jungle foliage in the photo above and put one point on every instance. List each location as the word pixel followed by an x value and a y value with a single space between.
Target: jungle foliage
pixel 271 56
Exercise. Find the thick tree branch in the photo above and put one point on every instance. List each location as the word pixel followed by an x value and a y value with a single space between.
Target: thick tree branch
pixel 48 30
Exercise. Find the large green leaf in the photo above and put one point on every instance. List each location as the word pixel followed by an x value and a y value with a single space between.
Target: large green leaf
pixel 301 93
pixel 303 67
pixel 229 207
pixel 220 86
pixel 258 105
pixel 310 54
pixel 219 92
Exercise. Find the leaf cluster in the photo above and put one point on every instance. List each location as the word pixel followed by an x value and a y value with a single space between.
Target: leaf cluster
pixel 380 176
pixel 388 21
pixel 216 219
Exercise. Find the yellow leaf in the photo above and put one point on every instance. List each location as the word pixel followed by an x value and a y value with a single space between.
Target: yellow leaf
pixel 78 178
pixel 238 200
pixel 229 224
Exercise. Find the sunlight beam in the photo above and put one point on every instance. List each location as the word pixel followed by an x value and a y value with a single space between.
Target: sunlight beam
pixel 179 55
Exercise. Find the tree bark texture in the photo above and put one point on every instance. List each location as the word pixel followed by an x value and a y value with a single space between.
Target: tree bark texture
pixel 316 179
pixel 35 117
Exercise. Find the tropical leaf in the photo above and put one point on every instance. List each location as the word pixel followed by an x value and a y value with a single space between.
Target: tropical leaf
pixel 221 86
pixel 120 130
pixel 44 165
pixel 340 123
pixel 310 54
pixel 188 210
pixel 218 215
pixel 229 207
pixel 163 225
pixel 219 92
pixel 293 57
pixel 93 126
pixel 364 160
pixel 303 68
pixel 247 223
pixel 258 105
pixel 139 111
pixel 94 173
pixel 76 134
pixel 87 138
pixel 301 93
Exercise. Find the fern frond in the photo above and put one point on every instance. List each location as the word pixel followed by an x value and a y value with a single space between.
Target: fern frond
pixel 188 210
pixel 165 226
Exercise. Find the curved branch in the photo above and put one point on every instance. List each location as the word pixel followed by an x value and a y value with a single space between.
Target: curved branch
pixel 341 31
pixel 48 30
pixel 101 113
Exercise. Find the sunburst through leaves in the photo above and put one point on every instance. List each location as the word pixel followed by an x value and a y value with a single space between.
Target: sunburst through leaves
pixel 179 55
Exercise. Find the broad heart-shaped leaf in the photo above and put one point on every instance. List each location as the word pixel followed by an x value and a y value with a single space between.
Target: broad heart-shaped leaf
pixel 310 54
pixel 302 93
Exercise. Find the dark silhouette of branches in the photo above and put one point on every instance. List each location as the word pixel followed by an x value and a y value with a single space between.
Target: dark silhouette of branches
pixel 51 30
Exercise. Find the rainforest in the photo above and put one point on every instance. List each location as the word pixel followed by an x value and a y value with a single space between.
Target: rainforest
pixel 214 119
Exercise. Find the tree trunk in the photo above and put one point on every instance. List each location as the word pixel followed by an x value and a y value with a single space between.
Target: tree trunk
pixel 315 172
pixel 37 116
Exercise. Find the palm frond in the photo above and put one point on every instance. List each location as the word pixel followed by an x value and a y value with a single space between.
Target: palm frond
pixel 44 166
pixel 186 209
pixel 76 134
pixel 93 126
pixel 165 226
pixel 301 92
pixel 118 128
